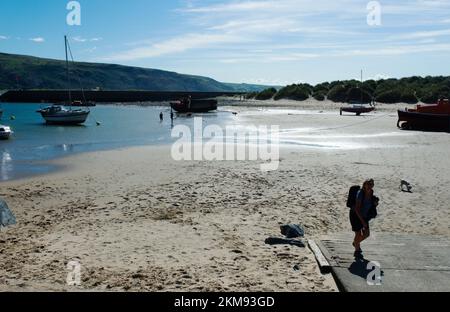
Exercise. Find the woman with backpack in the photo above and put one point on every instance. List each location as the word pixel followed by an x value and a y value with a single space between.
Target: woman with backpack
pixel 362 212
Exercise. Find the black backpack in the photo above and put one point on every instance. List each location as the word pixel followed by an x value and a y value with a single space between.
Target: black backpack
pixel 352 193
pixel 373 212
pixel 351 201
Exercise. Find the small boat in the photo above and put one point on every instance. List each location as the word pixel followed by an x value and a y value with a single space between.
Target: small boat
pixel 60 115
pixel 5 132
pixel 426 117
pixel 357 109
pixel 188 105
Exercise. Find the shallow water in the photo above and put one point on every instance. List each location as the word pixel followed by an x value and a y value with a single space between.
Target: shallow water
pixel 34 142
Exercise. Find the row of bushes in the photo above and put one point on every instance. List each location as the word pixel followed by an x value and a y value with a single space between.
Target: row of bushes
pixel 406 90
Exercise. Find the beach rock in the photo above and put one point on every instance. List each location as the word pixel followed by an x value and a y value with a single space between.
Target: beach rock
pixel 7 218
pixel 292 230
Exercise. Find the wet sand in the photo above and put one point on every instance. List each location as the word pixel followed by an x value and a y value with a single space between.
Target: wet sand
pixel 137 220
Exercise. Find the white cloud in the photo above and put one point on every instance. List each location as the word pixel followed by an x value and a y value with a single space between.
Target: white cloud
pixel 4 38
pixel 174 45
pixel 38 40
pixel 395 50
pixel 270 58
pixel 81 39
pixel 237 7
pixel 252 25
pixel 423 34
pixel 275 7
pixel 292 30
pixel 307 7
pixel 267 81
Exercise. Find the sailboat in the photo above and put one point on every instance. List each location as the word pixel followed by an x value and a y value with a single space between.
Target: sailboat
pixel 61 115
pixel 358 108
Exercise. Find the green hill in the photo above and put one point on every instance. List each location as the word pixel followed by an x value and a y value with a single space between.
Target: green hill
pixel 27 72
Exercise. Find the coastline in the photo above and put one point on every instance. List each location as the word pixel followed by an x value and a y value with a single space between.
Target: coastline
pixel 311 104
pixel 137 220
pixel 227 105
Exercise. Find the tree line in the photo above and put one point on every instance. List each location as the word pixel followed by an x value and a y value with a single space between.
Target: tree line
pixel 406 90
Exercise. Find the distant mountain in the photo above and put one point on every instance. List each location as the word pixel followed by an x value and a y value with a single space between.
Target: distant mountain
pixel 27 72
pixel 245 87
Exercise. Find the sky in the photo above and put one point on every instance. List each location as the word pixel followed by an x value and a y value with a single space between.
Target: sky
pixel 273 42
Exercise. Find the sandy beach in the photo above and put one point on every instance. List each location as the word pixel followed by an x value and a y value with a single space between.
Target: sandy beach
pixel 136 220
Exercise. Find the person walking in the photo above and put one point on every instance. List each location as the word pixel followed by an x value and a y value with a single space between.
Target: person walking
pixel 361 214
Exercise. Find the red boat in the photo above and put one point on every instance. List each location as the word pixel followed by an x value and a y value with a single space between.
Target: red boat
pixel 358 109
pixel 426 117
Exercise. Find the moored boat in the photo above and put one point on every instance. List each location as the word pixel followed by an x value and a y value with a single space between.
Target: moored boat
pixel 357 109
pixel 60 115
pixel 5 132
pixel 188 105
pixel 426 117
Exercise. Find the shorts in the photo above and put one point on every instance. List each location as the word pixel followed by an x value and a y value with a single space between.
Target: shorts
pixel 357 226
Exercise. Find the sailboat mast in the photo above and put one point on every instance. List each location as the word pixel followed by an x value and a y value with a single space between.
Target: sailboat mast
pixel 68 72
pixel 361 88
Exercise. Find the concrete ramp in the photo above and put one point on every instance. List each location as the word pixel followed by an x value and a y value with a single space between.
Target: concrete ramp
pixel 407 263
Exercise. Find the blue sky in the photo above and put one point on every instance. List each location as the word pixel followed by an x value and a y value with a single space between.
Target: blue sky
pixel 253 41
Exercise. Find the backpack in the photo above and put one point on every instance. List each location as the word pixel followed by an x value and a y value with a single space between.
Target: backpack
pixel 352 193
pixel 351 202
pixel 373 212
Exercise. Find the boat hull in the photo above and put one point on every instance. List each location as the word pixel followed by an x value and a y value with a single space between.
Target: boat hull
pixel 5 135
pixel 5 132
pixel 423 121
pixel 357 110
pixel 196 106
pixel 72 118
